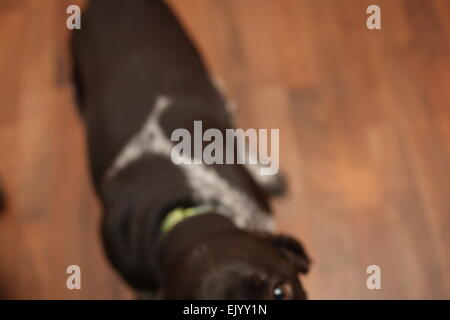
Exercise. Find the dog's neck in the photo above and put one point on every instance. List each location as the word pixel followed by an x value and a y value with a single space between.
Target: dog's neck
pixel 181 214
pixel 187 234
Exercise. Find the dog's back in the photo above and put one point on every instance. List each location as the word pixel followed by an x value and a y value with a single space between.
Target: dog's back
pixel 128 53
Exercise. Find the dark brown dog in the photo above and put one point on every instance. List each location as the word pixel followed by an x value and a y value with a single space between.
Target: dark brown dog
pixel 139 78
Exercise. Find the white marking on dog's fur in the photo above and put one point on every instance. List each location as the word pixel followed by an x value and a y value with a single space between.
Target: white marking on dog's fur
pixel 230 105
pixel 207 185
pixel 267 182
pixel 149 140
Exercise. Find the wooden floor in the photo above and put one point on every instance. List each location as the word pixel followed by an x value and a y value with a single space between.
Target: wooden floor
pixel 365 140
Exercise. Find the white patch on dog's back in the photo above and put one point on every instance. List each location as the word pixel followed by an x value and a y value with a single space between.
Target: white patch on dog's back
pixel 207 185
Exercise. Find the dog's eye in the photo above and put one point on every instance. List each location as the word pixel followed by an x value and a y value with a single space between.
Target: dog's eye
pixel 282 291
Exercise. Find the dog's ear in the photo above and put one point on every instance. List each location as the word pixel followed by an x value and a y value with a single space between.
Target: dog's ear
pixel 292 249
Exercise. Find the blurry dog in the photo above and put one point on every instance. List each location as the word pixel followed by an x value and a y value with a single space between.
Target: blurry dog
pixel 175 231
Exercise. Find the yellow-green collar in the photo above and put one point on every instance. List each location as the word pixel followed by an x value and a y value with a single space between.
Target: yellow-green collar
pixel 178 215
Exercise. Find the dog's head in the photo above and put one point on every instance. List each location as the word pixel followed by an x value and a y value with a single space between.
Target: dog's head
pixel 239 265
